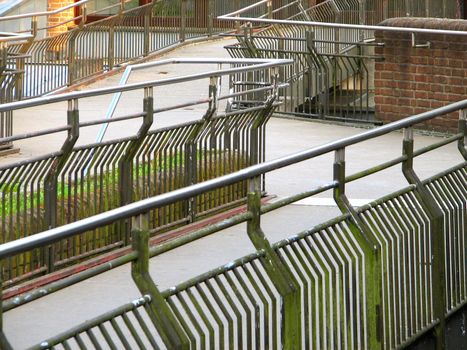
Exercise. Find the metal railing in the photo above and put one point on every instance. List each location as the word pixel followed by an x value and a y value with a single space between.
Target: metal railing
pixel 90 48
pixel 333 53
pixel 75 182
pixel 376 277
pixel 46 63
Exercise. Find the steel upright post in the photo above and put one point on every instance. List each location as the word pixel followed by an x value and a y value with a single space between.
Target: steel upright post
pixel 183 21
pixel 147 24
pixel 126 163
pixel 4 343
pixel 462 144
pixel 372 253
pixel 163 318
pixel 51 179
pixel 191 148
pixel 269 9
pixel 277 271
pixel 211 17
pixel 437 238
pixel 111 46
pixel 71 58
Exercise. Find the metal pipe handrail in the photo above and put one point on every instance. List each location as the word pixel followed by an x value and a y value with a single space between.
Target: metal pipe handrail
pixel 54 12
pixel 7 36
pixel 143 206
pixel 345 26
pixel 254 64
pixel 44 13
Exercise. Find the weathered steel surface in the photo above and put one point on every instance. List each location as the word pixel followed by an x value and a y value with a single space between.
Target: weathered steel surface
pixel 379 276
pixel 78 182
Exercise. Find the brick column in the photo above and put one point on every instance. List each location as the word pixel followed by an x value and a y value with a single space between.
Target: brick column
pixel 59 17
pixel 413 80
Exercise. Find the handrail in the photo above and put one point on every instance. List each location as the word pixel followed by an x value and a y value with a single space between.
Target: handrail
pixel 254 64
pixel 44 13
pixel 7 36
pixel 344 26
pixel 54 12
pixel 143 206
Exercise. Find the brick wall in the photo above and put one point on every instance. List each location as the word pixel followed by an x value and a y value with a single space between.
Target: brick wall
pixel 59 17
pixel 414 80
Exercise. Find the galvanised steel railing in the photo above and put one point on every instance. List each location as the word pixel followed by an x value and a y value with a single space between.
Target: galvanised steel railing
pixel 8 79
pixel 329 79
pixel 75 182
pixel 123 33
pixel 377 277
pixel 133 32
pixel 333 53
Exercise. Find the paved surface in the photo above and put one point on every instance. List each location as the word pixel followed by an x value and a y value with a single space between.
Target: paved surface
pixel 45 317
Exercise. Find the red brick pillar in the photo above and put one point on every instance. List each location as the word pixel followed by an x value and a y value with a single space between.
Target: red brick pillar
pixel 60 17
pixel 413 80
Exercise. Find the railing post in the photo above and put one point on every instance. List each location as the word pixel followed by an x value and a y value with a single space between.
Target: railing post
pixel 183 21
pixel 437 238
pixel 191 147
pixel 147 24
pixel 51 179
pixel 372 253
pixel 84 14
pixel 211 17
pixel 126 163
pixel 408 11
pixel 385 10
pixel 71 59
pixel 462 144
pixel 4 343
pixel 237 23
pixel 34 26
pixel 270 9
pixel 111 47
pixel 277 271
pixel 361 18
pixel 3 56
pixel 162 317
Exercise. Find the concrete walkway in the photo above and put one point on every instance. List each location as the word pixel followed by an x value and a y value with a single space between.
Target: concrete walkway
pixel 50 315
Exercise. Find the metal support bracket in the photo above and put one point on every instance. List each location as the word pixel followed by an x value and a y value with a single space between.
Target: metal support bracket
pixel 426 45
